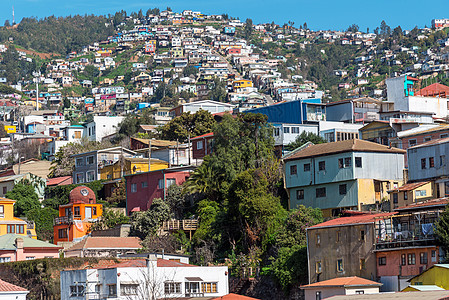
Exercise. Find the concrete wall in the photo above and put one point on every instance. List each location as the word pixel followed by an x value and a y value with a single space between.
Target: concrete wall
pixel 349 247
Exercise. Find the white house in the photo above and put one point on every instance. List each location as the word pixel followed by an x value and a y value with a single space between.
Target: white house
pixel 145 279
pixel 340 286
pixel 10 291
pixel 102 126
pixel 208 105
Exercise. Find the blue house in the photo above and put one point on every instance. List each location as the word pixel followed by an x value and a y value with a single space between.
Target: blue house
pixel 229 30
pixel 342 175
pixel 294 112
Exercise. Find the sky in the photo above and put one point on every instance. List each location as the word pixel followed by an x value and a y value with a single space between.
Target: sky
pixel 318 14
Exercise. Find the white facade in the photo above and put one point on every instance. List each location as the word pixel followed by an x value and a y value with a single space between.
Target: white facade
pixel 326 292
pixel 153 281
pixel 285 134
pixel 102 126
pixel 13 295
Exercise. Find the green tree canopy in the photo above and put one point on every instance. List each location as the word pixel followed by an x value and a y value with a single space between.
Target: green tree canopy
pixel 303 138
pixel 187 124
pixel 26 198
pixel 43 219
pixel 148 222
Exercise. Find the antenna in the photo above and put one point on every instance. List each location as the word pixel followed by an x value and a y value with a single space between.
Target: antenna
pixel 13 19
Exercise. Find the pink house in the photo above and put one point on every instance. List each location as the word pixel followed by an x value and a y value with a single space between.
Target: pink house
pixel 142 188
pixel 14 247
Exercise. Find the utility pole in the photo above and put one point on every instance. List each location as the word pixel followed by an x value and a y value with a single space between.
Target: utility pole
pixel 177 152
pixel 37 92
pixel 188 148
pixel 149 155
pixel 13 17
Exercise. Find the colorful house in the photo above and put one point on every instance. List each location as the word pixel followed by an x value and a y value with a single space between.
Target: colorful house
pixel 241 84
pixel 16 247
pixel 11 291
pixel 130 165
pixel 11 224
pixel 75 218
pixel 202 145
pixel 142 188
pixel 411 193
pixel 436 276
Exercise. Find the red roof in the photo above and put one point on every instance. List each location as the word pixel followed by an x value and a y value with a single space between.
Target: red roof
pixel 9 287
pixel 210 134
pixel 353 220
pixel 104 242
pixel 433 202
pixel 63 180
pixel 434 90
pixel 409 186
pixel 343 282
pixel 139 263
pixel 234 297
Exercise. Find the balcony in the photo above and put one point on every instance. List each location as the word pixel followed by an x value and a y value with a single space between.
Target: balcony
pixel 405 231
pixel 66 220
pixel 174 225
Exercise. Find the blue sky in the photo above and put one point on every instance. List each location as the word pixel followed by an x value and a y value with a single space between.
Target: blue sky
pixel 319 14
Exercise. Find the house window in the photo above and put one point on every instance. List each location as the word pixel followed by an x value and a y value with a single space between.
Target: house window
pixel 5 190
pixel 395 198
pixel 321 166
pixel 405 196
pixel 128 289
pixel 382 261
pixel 318 267
pixel 318 239
pixel 192 287
pixel 423 163
pixel 423 258
pixel 427 139
pixel 79 178
pixel 442 158
pixel 144 184
pixel 133 187
pixel 412 142
pixel 76 290
pixel 98 289
pixel 90 176
pixel 209 287
pixel 286 129
pixel 339 265
pixel 403 260
pixel 170 182
pixel 433 255
pixel 90 160
pixel 300 194
pixel 444 135
pixel 420 193
pixel 62 233
pixel 276 131
pixel 112 289
pixel 411 258
pixel 2 211
pixel 342 189
pixel 172 288
pixel 94 211
pixel 360 292
pixel 20 229
pixel 160 184
pixel 362 235
pixel 30 257
pixel 347 162
pixel 295 129
pixel 199 145
pixel 358 162
pixel 431 162
pixel 11 228
pixel 77 211
pixel 362 264
pixel 318 295
pixel 5 259
pixel 340 163
pixel 320 192
pixel 80 162
pixel 293 170
pixel 306 167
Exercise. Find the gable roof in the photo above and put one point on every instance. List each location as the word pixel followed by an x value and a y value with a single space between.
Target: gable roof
pixel 343 282
pixel 352 220
pixel 435 89
pixel 233 296
pixel 354 145
pixel 409 186
pixel 9 287
pixel 210 134
pixel 431 143
pixel 8 242
pixel 441 202
pixel 63 180
pixel 107 243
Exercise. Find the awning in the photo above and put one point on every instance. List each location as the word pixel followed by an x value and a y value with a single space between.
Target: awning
pixel 194 279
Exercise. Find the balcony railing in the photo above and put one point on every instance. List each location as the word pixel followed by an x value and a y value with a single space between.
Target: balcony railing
pixel 174 225
pixel 66 220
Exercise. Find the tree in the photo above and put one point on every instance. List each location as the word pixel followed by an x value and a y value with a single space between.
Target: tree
pixel 190 70
pixel 109 219
pixel 91 72
pixel 7 23
pixel 43 219
pixel 175 200
pixel 118 196
pixel 25 196
pixel 187 124
pixel 219 92
pixel 442 231
pixel 248 30
pixel 148 222
pixel 303 138
pixel 353 28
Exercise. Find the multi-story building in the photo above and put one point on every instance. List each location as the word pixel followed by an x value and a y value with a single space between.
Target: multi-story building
pixel 75 218
pixel 102 126
pixel 342 175
pixel 11 224
pixel 405 243
pixel 343 247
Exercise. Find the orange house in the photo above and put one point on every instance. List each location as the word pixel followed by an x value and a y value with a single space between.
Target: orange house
pixel 76 217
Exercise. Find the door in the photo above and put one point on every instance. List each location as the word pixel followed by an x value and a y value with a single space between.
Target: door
pixel 88 212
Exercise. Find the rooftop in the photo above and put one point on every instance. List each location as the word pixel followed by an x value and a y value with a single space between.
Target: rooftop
pixel 428 295
pixel 354 145
pixel 409 186
pixel 352 220
pixel 431 143
pixel 343 282
pixel 422 204
pixel 210 134
pixel 9 287
pixel 8 242
pixel 107 243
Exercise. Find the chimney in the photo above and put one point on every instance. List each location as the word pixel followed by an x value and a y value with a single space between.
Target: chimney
pixel 19 249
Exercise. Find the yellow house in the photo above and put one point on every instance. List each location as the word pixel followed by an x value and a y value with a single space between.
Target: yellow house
pixel 11 224
pixel 10 129
pixel 411 193
pixel 177 52
pixel 31 102
pixel 131 165
pixel 436 276
pixel 240 84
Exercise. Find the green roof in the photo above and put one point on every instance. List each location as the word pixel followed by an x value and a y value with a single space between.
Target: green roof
pixel 8 241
